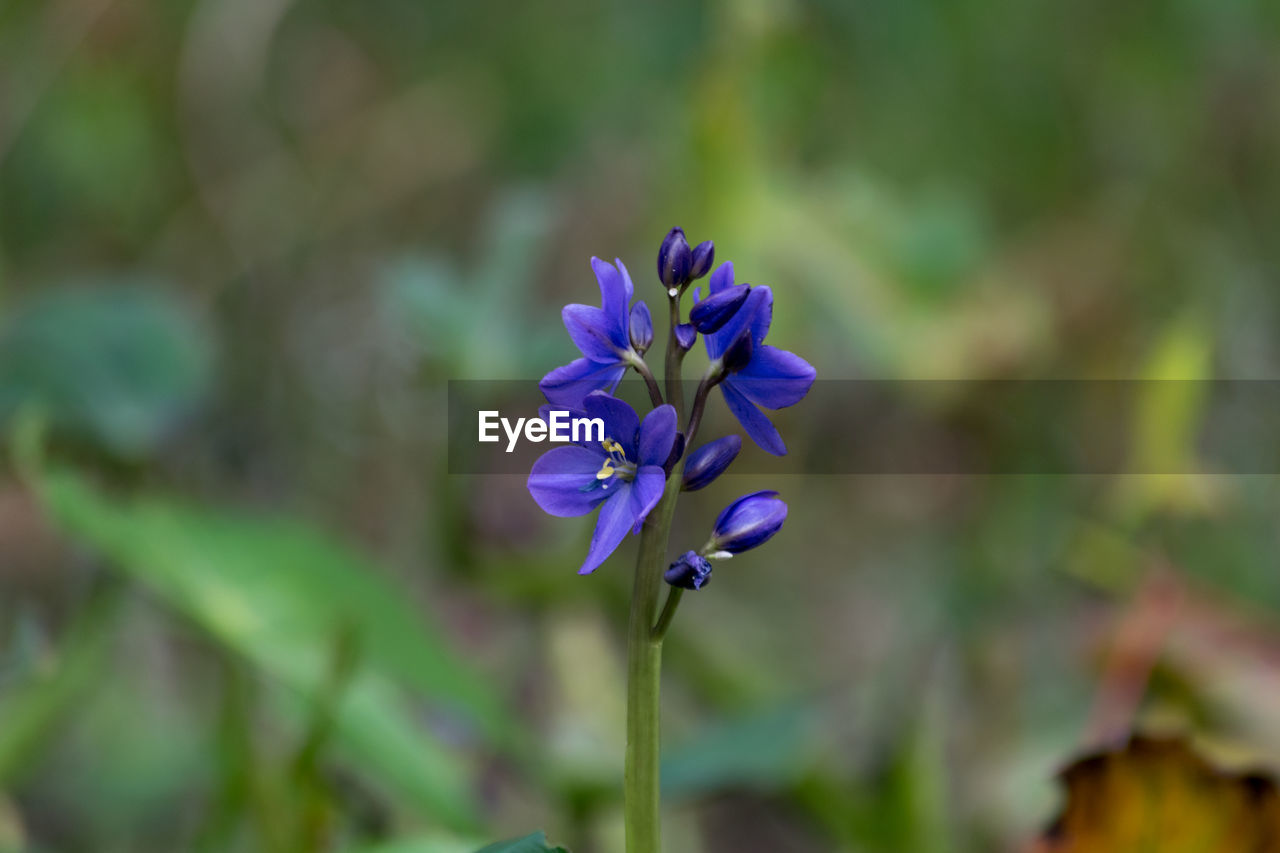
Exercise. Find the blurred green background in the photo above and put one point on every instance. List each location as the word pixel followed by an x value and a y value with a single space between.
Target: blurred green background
pixel 244 244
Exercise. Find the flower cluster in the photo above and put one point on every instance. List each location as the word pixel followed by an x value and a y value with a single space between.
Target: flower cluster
pixel 641 463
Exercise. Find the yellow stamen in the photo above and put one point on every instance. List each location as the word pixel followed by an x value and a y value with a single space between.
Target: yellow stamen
pixel 611 446
pixel 605 472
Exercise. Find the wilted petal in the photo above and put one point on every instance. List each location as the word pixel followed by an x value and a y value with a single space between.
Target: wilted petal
pixel 561 481
pixel 690 571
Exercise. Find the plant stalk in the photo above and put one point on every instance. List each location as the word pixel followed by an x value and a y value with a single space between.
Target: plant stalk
pixel 644 668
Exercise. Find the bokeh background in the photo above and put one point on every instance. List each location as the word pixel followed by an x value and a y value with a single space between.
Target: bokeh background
pixel 245 243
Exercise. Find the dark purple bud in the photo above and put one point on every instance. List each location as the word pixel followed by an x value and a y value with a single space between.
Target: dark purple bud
pixel 749 521
pixel 686 336
pixel 689 572
pixel 710 461
pixel 712 313
pixel 641 327
pixel 738 354
pixel 704 254
pixel 674 259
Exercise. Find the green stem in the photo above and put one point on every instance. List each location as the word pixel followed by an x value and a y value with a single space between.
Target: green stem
pixel 668 613
pixel 644 666
pixel 675 393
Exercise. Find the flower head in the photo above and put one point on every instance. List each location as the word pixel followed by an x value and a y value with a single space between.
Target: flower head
pixel 710 461
pixel 622 475
pixel 675 259
pixel 603 335
pixel 704 254
pixel 749 521
pixel 641 327
pixel 710 314
pixel 767 377
pixel 686 336
pixel 691 571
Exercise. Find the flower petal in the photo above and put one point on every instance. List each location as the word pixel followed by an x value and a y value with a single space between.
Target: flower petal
pixel 615 289
pixel 600 339
pixel 620 420
pixel 712 313
pixel 721 278
pixel 568 385
pixel 775 378
pixel 646 491
pixel 616 519
pixel 728 333
pixel 628 289
pixel 757 425
pixel 561 481
pixel 657 434
pixel 762 315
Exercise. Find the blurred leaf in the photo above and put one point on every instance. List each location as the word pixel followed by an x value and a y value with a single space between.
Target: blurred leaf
pixel 115 365
pixel 478 321
pixel 431 844
pixel 1160 795
pixel 536 843
pixel 765 751
pixel 277 592
pixel 31 714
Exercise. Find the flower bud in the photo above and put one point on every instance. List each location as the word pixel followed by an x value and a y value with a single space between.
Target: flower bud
pixel 749 521
pixel 674 259
pixel 686 336
pixel 738 354
pixel 689 572
pixel 712 313
pixel 704 254
pixel 710 461
pixel 641 327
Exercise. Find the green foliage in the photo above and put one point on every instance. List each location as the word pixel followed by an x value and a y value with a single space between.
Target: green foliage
pixel 277 592
pixel 115 365
pixel 535 843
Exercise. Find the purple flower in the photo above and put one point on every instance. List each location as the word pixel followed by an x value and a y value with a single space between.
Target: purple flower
pixel 675 259
pixel 691 571
pixel 641 328
pixel 749 521
pixel 771 378
pixel 686 336
pixel 710 461
pixel 602 334
pixel 704 254
pixel 622 474
pixel 712 313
